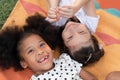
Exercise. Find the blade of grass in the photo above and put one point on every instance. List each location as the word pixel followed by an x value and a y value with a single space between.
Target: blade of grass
pixel 6 7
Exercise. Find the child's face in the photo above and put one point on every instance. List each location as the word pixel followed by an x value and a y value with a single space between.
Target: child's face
pixel 36 54
pixel 75 36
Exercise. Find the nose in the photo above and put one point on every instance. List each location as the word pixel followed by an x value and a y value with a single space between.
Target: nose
pixel 40 52
pixel 39 55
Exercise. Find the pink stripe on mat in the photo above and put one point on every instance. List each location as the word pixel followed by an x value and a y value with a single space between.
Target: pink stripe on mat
pixel 107 39
pixel 31 8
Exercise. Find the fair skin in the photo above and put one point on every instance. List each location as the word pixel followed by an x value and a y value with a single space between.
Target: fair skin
pixel 75 36
pixel 52 10
pixel 38 56
pixel 52 3
pixel 68 11
pixel 90 9
pixel 74 45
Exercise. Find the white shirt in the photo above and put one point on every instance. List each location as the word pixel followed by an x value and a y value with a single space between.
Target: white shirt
pixel 88 21
pixel 65 69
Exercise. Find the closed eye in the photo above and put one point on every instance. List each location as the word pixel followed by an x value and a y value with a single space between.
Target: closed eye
pixel 82 32
pixel 69 38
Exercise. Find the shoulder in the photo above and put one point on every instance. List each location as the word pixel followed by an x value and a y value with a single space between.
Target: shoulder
pixel 68 60
pixel 65 56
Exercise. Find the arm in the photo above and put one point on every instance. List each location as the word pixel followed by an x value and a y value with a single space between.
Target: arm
pixel 85 75
pixel 78 4
pixel 91 18
pixel 68 11
pixel 52 3
pixel 90 9
pixel 52 12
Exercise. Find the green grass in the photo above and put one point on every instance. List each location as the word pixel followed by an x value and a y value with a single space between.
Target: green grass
pixel 6 7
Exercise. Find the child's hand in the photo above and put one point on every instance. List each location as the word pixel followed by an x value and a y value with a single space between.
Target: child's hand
pixel 53 15
pixel 67 11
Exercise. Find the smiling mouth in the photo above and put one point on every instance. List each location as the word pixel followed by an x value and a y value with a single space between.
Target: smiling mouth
pixel 43 59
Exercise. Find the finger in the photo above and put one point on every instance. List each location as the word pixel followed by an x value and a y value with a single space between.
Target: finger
pixel 65 14
pixel 58 16
pixel 65 8
pixel 51 14
pixel 51 20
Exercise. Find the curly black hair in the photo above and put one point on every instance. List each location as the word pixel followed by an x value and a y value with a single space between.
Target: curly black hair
pixel 11 36
pixel 8 47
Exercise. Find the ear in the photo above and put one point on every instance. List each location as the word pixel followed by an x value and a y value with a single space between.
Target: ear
pixel 23 64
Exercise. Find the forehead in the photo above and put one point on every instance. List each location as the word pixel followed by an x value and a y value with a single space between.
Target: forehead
pixel 29 41
pixel 29 38
pixel 32 37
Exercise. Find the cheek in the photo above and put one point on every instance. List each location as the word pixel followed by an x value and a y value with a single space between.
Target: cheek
pixel 63 36
pixel 29 59
pixel 83 38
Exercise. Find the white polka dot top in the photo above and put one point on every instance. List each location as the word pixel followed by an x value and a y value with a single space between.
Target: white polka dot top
pixel 65 69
